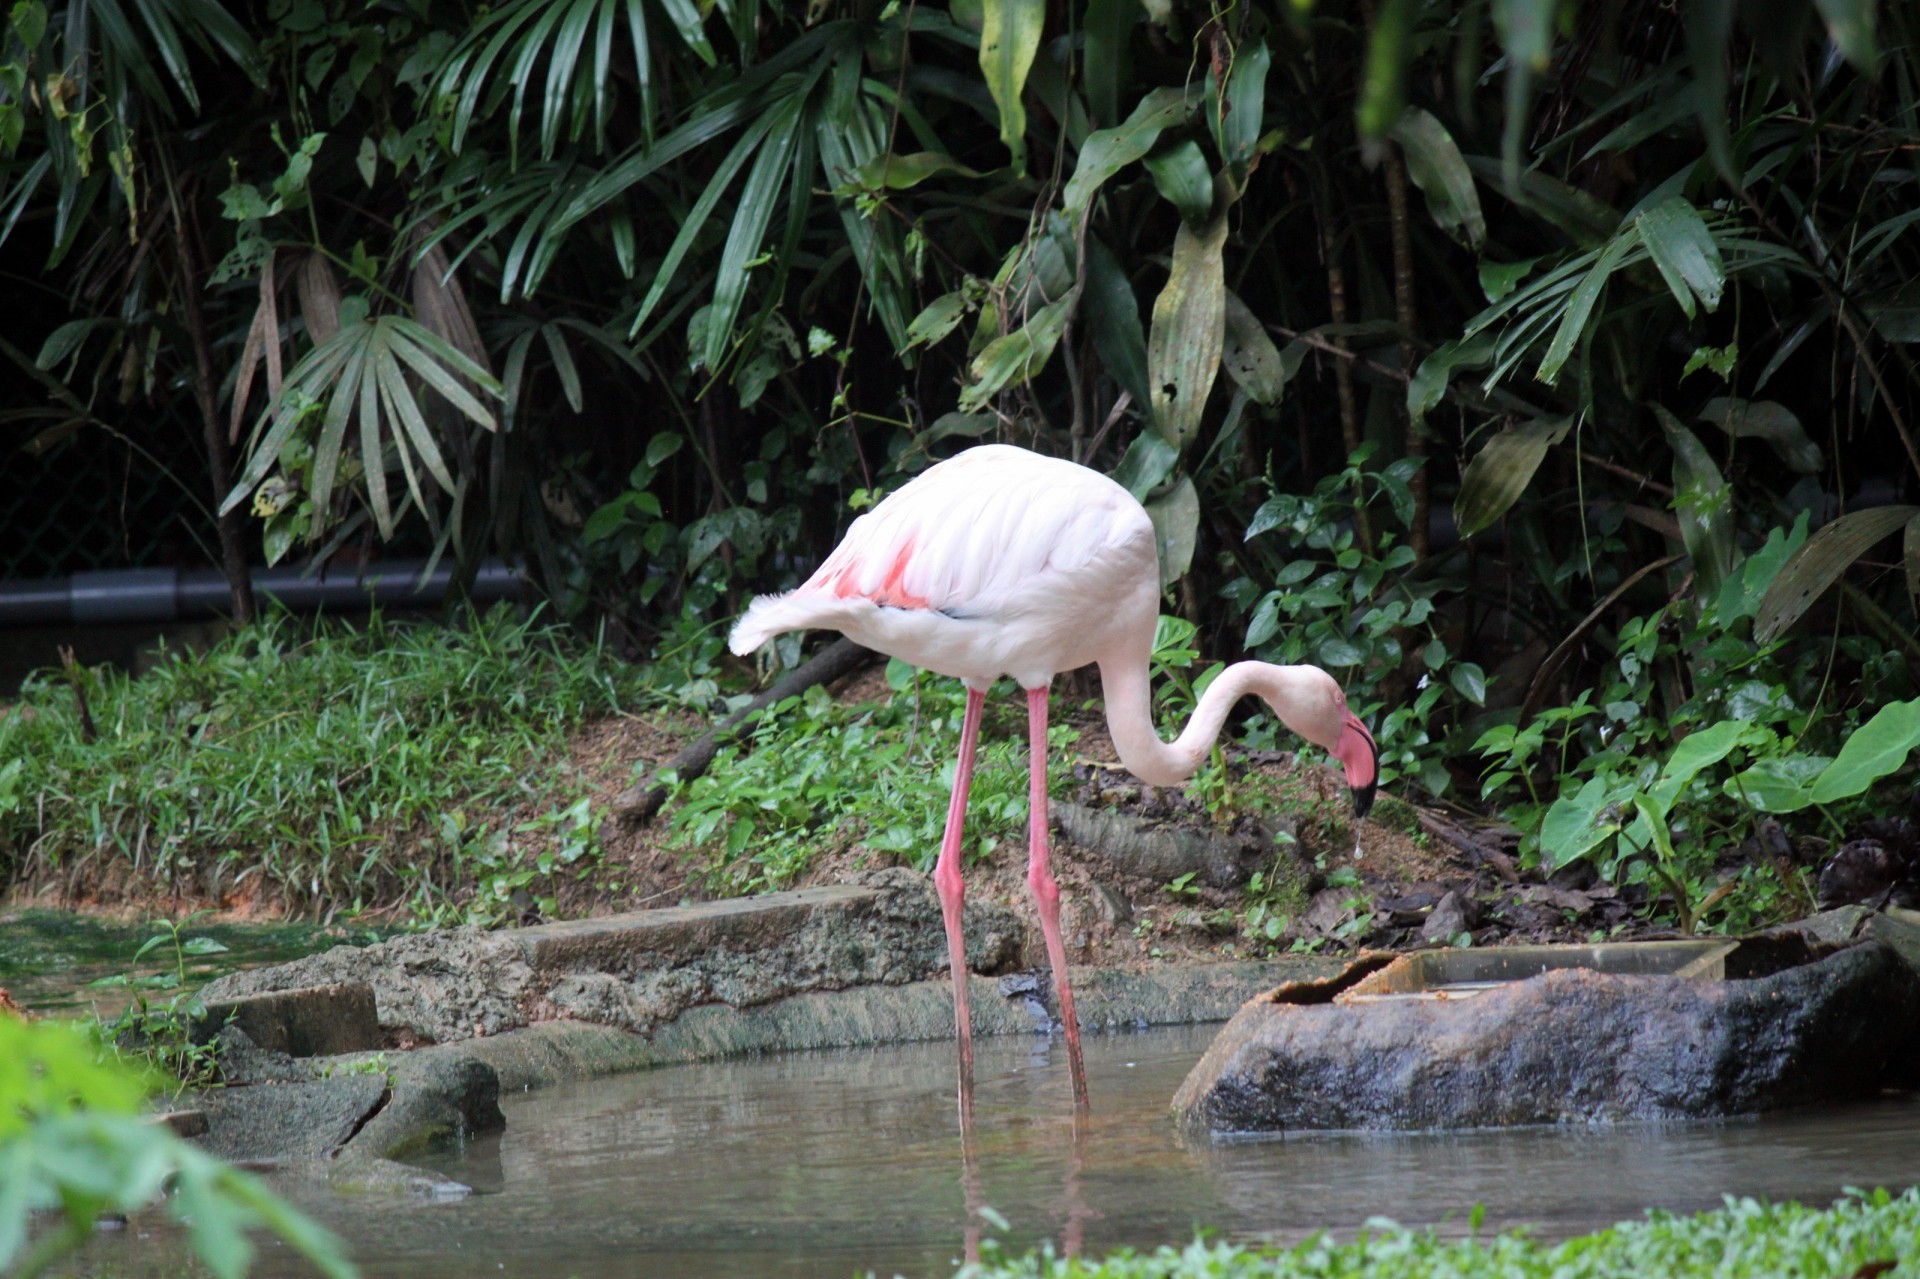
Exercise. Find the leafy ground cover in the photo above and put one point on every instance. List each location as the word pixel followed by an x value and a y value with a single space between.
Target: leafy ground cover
pixel 316 767
pixel 1867 1235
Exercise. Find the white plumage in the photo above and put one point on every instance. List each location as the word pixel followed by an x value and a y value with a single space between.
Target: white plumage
pixel 1002 562
pixel 995 562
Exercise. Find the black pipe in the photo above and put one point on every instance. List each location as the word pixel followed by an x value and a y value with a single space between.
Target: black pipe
pixel 169 594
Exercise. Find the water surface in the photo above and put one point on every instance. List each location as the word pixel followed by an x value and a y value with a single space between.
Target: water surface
pixel 834 1163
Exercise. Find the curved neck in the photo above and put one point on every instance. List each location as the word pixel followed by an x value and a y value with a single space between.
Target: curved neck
pixel 1129 702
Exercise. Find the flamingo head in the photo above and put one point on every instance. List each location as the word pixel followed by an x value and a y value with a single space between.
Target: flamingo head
pixel 1311 703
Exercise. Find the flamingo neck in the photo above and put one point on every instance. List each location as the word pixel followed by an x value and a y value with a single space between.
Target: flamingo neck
pixel 1129 702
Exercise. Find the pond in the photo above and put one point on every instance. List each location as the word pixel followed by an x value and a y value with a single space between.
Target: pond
pixel 49 958
pixel 836 1163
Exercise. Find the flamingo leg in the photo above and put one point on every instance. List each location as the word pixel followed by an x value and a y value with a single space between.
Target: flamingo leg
pixel 947 882
pixel 1046 893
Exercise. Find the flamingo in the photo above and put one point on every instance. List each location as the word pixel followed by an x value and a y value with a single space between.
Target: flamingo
pixel 999 561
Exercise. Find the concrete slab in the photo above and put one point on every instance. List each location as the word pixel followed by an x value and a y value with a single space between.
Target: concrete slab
pixel 311 1021
pixel 610 943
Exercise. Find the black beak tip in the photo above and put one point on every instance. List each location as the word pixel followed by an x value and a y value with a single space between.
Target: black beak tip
pixel 1363 800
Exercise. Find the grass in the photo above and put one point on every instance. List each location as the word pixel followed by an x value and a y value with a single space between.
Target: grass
pixel 312 765
pixel 818 776
pixel 1866 1234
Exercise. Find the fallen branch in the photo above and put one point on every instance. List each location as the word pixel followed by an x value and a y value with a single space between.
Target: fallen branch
pixel 639 802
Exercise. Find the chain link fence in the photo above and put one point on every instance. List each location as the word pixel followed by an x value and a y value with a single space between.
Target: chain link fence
pixel 95 500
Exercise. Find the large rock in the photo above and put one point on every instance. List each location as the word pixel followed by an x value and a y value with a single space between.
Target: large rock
pixel 289 1122
pixel 318 1021
pixel 1572 1045
pixel 1164 851
pixel 639 970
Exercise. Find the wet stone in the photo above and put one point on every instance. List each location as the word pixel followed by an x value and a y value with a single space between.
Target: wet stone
pixel 288 1122
pixel 312 1021
pixel 1567 1046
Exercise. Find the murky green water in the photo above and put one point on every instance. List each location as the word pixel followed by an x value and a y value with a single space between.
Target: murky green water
pixel 48 958
pixel 834 1163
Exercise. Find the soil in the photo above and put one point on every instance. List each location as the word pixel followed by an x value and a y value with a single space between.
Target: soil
pixel 1409 875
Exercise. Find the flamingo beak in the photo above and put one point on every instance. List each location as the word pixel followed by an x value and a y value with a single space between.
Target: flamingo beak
pixel 1361 758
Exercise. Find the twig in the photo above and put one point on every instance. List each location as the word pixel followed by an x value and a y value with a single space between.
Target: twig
pixel 639 802
pixel 76 677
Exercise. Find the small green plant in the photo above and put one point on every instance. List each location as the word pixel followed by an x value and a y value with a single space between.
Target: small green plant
pixel 161 1034
pixel 1322 593
pixel 819 774
pixel 1654 791
pixel 75 1145
pixel 1866 1233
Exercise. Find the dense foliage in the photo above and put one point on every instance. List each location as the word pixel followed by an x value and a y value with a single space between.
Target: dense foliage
pixel 1867 1234
pixel 1543 369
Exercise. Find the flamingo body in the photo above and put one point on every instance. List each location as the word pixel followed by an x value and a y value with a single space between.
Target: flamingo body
pixel 1001 562
pixel 995 562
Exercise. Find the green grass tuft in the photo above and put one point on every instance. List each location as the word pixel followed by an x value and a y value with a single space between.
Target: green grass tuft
pixel 1744 1239
pixel 333 766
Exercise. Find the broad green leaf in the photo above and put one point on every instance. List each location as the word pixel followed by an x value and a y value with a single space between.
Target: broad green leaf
pixel 1009 37
pixel 1469 681
pixel 1109 28
pixel 1698 751
pixel 1702 502
pixel 1107 151
pixel 1747 585
pixel 1112 316
pixel 1182 176
pixel 1577 824
pixel 1851 23
pixel 1580 305
pixel 1189 331
pixel 1238 128
pixel 1878 747
pixel 1501 471
pixel 1681 246
pixel 1765 420
pixel 1911 549
pixel 940 317
pixel 1709 27
pixel 900 172
pixel 1383 90
pixel 1821 562
pixel 1176 527
pixel 1436 166
pixel 1149 460
pixel 202 946
pixel 1777 784
pixel 1429 382
pixel 1249 355
pixel 1014 357
pixel 1895 313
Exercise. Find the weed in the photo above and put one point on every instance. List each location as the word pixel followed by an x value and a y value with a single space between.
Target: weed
pixel 819 775
pixel 1659 789
pixel 160 1035
pixel 332 766
pixel 1862 1234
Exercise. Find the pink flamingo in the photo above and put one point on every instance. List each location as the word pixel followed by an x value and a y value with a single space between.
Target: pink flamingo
pixel 1001 562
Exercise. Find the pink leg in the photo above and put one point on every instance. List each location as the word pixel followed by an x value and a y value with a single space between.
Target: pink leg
pixel 946 880
pixel 1046 893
